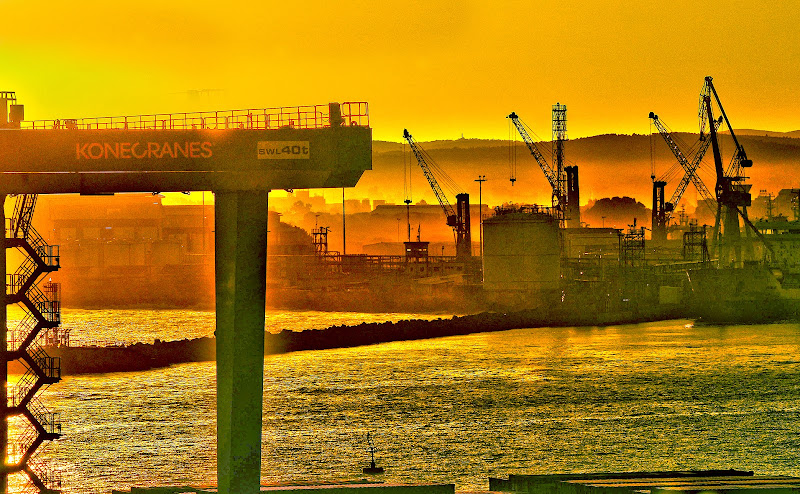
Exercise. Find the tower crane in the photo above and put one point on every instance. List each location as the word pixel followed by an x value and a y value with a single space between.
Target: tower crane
pixel 563 180
pixel 733 195
pixel 662 211
pixel 457 218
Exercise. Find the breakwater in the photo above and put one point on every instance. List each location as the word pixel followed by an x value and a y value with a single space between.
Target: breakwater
pixel 144 356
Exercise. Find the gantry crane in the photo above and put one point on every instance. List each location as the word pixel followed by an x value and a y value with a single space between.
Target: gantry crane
pixel 662 211
pixel 563 180
pixel 41 302
pixel 457 218
pixel 733 195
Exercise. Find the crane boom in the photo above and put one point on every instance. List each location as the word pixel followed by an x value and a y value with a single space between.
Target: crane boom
pixel 740 159
pixel 555 183
pixel 689 168
pixel 458 219
pixel 449 212
pixel 687 177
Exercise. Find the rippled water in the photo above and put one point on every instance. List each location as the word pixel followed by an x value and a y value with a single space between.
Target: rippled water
pixel 109 326
pixel 459 409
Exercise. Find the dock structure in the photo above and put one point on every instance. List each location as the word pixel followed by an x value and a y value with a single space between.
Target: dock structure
pixel 342 488
pixel 683 482
pixel 240 156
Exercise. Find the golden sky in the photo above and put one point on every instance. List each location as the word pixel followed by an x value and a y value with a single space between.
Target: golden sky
pixel 439 68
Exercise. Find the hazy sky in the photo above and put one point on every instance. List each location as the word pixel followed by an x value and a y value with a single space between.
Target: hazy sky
pixel 439 68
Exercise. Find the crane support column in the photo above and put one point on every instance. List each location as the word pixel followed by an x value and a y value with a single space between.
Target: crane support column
pixel 4 349
pixel 463 227
pixel 241 265
pixel 659 219
pixel 573 216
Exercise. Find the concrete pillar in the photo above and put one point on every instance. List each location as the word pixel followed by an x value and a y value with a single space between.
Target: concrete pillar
pixel 241 264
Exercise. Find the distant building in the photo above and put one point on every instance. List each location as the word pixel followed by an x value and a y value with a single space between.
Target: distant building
pixel 131 249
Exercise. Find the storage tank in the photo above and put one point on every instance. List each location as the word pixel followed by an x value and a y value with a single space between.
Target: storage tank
pixel 521 251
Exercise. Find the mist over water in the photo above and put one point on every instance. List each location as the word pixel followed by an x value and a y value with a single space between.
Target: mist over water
pixel 458 409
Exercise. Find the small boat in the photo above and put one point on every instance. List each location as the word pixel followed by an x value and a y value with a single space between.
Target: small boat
pixel 372 469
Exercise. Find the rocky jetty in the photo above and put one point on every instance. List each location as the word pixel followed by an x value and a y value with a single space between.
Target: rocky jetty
pixel 143 356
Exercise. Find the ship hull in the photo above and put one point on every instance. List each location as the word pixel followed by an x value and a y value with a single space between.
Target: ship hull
pixel 748 294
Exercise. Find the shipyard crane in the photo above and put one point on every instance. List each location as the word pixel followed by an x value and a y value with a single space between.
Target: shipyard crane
pixel 740 160
pixel 733 195
pixel 662 211
pixel 457 218
pixel 563 180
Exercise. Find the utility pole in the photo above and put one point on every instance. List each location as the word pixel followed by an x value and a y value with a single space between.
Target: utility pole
pixel 480 180
pixel 408 217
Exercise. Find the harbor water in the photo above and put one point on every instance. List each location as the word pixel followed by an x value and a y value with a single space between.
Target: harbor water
pixel 656 396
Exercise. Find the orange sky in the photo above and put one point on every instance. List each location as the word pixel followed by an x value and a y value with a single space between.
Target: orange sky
pixel 440 68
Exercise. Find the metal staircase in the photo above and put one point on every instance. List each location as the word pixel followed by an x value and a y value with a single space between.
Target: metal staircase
pixel 42 306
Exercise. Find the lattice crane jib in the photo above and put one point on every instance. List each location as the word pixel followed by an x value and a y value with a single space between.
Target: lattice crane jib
pixel 425 164
pixel 690 168
pixel 556 178
pixel 549 174
pixel 458 219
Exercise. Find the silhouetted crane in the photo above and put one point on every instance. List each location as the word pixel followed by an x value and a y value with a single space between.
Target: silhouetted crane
pixel 563 180
pixel 662 211
pixel 733 195
pixel 457 218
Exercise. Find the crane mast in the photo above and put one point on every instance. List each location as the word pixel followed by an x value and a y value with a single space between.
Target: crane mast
pixel 554 177
pixel 733 195
pixel 457 218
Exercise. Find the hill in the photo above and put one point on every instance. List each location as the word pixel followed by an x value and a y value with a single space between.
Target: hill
pixel 609 165
pixel 766 133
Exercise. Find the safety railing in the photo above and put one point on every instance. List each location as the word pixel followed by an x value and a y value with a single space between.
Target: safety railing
pixel 295 117
pixel 17 280
pixel 50 366
pixel 23 212
pixel 54 337
pixel 17 394
pixel 48 253
pixel 24 440
pixel 50 421
pixel 48 303
pixel 47 476
pixel 20 333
